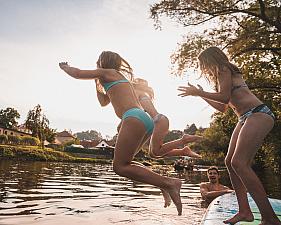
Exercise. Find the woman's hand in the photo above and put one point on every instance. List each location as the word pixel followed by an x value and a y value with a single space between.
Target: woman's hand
pixel 190 90
pixel 63 65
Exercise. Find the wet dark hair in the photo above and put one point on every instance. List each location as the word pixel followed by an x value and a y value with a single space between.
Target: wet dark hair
pixel 213 168
pixel 213 60
pixel 142 85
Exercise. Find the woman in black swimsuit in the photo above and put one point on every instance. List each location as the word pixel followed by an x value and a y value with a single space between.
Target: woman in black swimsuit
pixel 255 120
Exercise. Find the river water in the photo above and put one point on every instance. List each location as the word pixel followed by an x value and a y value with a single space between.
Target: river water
pixel 70 193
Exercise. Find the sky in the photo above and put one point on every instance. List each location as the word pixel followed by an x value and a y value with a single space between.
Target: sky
pixel 36 35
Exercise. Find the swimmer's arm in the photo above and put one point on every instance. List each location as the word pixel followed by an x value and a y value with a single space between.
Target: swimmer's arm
pixel 206 194
pixel 222 96
pixel 82 74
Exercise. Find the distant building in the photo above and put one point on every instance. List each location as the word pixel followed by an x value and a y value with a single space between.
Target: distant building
pixel 23 128
pixel 102 144
pixel 63 137
pixel 89 144
pixel 97 144
pixel 13 132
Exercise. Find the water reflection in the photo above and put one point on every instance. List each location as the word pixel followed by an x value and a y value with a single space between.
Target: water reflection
pixel 53 193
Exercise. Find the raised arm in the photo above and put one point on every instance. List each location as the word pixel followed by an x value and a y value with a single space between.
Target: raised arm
pixel 218 106
pixel 82 74
pixel 222 96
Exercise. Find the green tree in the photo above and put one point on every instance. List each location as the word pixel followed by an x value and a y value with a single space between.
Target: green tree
pixel 89 135
pixel 50 134
pixel 234 25
pixel 190 129
pixel 173 135
pixel 8 118
pixel 38 123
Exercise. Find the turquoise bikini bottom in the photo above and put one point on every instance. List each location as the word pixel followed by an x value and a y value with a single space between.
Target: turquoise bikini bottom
pixel 142 116
pixel 260 108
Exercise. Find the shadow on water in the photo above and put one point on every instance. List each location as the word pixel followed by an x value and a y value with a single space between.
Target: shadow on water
pixel 54 193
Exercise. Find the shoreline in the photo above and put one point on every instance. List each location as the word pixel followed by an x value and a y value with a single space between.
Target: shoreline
pixel 35 153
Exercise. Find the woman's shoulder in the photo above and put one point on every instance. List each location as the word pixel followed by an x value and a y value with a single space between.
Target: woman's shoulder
pixel 109 75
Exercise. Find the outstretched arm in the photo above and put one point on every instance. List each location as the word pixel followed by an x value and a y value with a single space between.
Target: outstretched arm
pixel 218 106
pixel 81 74
pixel 222 96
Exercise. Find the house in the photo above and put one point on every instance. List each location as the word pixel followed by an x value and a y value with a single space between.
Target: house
pixel 13 132
pixel 23 128
pixel 89 144
pixel 63 137
pixel 102 144
pixel 97 144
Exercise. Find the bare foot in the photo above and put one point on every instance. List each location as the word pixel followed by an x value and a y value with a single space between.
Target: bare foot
pixel 248 217
pixel 167 198
pixel 187 138
pixel 174 192
pixel 188 152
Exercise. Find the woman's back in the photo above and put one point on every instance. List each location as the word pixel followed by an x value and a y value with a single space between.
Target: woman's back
pixel 121 94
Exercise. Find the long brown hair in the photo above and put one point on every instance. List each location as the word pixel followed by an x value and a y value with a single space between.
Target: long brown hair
pixel 142 85
pixel 211 62
pixel 112 60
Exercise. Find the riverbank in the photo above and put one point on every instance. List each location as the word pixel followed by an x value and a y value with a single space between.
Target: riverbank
pixel 35 153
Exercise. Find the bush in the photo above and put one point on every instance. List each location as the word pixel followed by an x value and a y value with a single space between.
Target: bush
pixel 3 139
pixel 33 141
pixel 15 140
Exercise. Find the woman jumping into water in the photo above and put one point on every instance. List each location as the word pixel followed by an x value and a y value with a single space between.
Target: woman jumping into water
pixel 157 149
pixel 112 77
pixel 255 120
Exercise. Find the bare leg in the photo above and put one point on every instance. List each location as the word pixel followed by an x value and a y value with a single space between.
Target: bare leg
pixel 244 212
pixel 165 194
pixel 249 140
pixel 185 151
pixel 158 149
pixel 128 142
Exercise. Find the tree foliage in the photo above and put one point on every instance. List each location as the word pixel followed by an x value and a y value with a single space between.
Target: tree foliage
pixel 8 118
pixel 190 129
pixel 89 135
pixel 38 124
pixel 248 30
pixel 173 135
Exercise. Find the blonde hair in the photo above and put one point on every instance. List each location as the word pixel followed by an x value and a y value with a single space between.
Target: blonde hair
pixel 112 60
pixel 211 62
pixel 142 85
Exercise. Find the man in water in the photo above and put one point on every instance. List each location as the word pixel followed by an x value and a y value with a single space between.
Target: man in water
pixel 212 189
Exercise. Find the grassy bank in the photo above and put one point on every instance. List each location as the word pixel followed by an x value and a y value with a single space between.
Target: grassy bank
pixel 32 153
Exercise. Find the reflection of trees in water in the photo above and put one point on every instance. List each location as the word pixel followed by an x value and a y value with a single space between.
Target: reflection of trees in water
pixel 22 175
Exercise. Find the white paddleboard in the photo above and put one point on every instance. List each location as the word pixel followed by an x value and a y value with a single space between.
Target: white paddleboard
pixel 226 206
